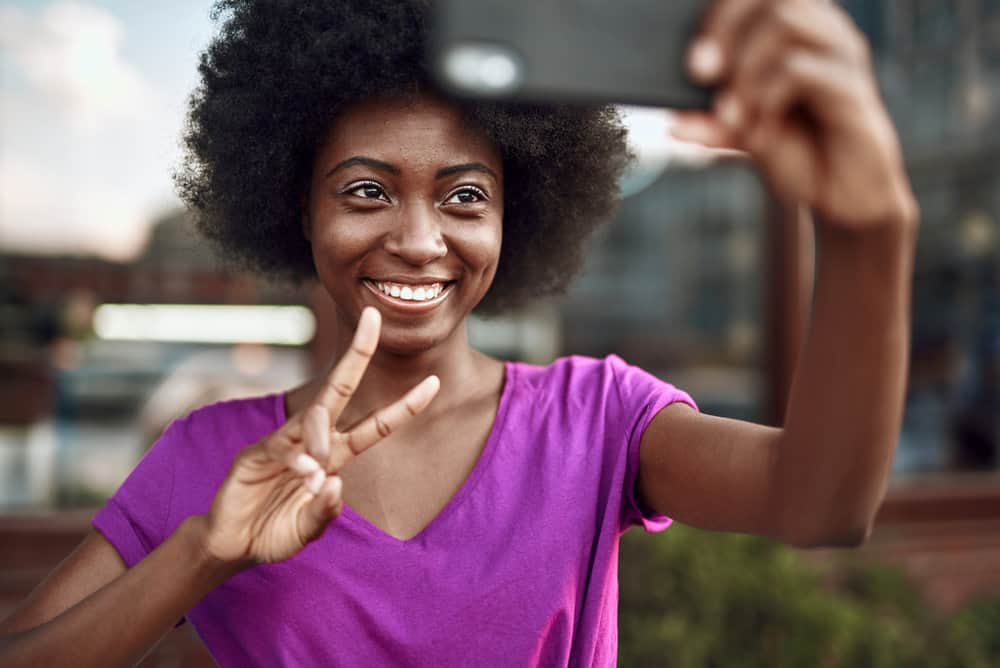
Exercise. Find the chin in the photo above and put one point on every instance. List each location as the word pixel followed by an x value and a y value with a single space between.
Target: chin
pixel 410 339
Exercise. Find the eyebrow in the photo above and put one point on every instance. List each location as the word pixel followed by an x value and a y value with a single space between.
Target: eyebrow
pixel 393 169
pixel 467 167
pixel 368 162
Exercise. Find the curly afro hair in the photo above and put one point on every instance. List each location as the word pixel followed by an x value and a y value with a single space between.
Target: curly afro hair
pixel 273 80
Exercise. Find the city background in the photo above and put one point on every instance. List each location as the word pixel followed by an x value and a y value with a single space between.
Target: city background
pixel 700 279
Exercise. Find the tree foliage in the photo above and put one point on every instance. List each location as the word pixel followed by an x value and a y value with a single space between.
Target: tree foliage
pixel 693 599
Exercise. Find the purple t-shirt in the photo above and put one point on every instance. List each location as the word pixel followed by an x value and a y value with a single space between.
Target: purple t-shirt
pixel 519 568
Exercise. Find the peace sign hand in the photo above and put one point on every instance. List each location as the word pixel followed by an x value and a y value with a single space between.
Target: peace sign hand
pixel 282 491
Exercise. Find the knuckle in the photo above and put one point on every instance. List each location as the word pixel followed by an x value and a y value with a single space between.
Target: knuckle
pixel 381 426
pixel 358 350
pixel 276 445
pixel 344 390
pixel 349 442
pixel 251 451
pixel 337 461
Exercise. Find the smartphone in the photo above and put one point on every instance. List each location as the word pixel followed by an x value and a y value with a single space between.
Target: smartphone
pixel 603 51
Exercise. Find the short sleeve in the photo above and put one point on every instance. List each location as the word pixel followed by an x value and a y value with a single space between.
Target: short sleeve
pixel 643 395
pixel 134 519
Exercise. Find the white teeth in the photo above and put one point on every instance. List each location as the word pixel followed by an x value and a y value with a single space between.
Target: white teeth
pixel 420 293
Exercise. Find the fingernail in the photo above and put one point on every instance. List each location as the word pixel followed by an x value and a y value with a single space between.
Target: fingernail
pixel 693 132
pixel 336 484
pixel 314 483
pixel 306 464
pixel 705 60
pixel 678 131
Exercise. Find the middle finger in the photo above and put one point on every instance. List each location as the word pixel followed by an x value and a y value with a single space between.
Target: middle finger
pixel 381 423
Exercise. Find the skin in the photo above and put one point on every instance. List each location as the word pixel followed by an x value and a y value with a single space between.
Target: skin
pixel 797 95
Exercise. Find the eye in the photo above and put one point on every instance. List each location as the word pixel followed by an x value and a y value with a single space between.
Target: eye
pixel 366 190
pixel 466 195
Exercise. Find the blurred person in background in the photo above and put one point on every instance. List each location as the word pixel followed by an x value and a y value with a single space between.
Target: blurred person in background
pixel 422 503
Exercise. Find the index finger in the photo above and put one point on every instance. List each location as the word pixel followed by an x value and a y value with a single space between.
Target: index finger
pixel 710 56
pixel 345 377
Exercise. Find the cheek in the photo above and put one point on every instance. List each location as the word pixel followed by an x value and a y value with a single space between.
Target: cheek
pixel 479 245
pixel 336 240
pixel 335 248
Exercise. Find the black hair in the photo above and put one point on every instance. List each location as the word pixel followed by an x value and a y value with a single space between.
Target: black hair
pixel 274 78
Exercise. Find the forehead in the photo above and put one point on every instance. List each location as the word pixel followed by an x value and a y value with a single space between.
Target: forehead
pixel 414 132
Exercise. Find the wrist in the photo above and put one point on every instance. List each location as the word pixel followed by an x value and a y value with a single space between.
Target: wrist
pixel 195 531
pixel 893 230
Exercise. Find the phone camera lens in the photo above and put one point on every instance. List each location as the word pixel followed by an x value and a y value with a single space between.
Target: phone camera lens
pixel 482 68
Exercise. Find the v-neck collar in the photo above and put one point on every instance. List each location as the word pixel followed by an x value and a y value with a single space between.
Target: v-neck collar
pixel 482 464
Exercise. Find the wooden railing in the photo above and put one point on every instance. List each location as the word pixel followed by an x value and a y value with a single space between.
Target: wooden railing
pixel 31 545
pixel 944 530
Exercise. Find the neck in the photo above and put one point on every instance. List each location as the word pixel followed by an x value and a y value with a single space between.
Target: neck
pixel 391 373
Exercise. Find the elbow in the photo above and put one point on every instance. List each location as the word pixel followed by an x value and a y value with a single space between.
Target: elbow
pixel 833 534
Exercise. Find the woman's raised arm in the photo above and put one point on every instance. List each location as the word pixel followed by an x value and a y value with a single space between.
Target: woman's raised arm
pixel 798 94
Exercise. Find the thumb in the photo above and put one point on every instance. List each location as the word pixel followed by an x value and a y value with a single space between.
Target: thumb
pixel 325 505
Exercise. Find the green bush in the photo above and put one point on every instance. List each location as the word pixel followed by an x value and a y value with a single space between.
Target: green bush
pixel 694 599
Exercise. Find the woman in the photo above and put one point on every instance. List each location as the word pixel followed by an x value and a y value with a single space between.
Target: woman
pixel 478 504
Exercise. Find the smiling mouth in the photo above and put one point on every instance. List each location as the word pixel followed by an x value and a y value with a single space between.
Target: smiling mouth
pixel 410 296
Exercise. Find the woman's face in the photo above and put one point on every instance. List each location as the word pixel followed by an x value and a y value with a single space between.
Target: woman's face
pixel 405 213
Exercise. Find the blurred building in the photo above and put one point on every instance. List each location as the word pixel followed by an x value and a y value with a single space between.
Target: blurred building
pixel 675 285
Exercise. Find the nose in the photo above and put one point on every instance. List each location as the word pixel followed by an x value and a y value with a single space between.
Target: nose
pixel 416 237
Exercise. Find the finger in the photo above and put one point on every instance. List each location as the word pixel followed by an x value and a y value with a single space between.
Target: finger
pixel 813 82
pixel 711 53
pixel 758 61
pixel 383 422
pixel 316 514
pixel 316 432
pixel 346 376
pixel 809 28
pixel 702 128
pixel 789 165
pixel 825 26
pixel 314 481
pixel 291 454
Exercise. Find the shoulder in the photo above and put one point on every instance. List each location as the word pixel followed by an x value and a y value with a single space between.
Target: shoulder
pixel 234 423
pixel 580 380
pixel 576 371
pixel 579 372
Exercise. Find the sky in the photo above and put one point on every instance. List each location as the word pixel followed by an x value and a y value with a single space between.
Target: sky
pixel 92 101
